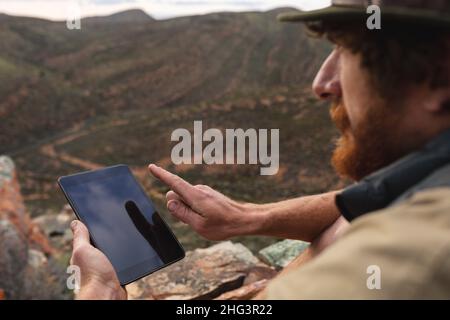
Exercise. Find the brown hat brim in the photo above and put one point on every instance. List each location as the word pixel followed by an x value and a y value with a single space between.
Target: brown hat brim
pixel 342 13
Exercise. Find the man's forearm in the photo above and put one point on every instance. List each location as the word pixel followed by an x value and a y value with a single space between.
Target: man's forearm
pixel 302 218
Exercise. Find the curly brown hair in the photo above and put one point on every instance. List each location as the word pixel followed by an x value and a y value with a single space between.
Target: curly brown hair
pixel 397 56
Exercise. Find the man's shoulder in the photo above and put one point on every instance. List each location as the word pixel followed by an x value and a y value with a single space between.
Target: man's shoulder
pixel 421 222
pixel 429 208
pixel 431 200
pixel 408 244
pixel 440 178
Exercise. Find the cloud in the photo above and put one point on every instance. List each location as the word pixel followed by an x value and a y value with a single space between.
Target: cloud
pixel 160 9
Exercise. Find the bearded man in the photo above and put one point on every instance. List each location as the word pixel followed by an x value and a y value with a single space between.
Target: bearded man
pixel 389 92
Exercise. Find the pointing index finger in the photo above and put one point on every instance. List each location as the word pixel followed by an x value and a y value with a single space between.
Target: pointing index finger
pixel 177 184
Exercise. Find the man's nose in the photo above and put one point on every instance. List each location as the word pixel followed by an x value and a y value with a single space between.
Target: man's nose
pixel 327 85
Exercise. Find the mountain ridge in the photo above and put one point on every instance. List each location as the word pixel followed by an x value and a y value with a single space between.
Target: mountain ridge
pixel 127 16
pixel 74 100
pixel 144 65
pixel 144 16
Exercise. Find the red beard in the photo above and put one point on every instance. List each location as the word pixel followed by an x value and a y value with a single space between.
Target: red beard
pixel 369 147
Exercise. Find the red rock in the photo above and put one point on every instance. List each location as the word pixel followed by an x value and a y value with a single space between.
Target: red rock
pixel 12 207
pixel 247 292
pixel 203 274
pixel 24 251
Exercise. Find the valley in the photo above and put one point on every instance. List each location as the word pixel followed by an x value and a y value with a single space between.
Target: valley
pixel 114 92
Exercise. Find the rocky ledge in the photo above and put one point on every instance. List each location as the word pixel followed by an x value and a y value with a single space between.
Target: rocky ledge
pixel 225 271
pixel 25 271
pixel 206 274
pixel 29 249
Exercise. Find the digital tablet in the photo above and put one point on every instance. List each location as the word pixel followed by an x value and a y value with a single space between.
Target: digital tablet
pixel 122 221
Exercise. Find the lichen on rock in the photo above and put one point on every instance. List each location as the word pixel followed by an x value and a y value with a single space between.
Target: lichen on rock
pixel 280 254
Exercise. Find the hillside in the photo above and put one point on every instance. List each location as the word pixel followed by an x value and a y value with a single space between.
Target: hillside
pixel 53 78
pixel 114 91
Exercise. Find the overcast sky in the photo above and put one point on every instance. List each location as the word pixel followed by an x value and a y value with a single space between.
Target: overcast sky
pixel 159 9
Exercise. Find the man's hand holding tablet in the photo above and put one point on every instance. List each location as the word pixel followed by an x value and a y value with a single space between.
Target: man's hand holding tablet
pixel 129 238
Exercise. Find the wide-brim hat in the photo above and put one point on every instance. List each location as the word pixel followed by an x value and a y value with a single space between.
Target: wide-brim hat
pixel 426 12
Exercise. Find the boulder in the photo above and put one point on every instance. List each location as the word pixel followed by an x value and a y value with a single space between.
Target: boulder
pixel 25 270
pixel 56 227
pixel 13 258
pixel 280 254
pixel 12 207
pixel 246 292
pixel 204 274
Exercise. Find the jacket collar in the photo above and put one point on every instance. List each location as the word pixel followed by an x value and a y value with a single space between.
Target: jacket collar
pixel 382 188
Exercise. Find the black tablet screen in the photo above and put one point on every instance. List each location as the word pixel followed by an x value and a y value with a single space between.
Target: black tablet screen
pixel 122 221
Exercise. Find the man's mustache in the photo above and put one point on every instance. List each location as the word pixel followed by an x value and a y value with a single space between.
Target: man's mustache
pixel 340 117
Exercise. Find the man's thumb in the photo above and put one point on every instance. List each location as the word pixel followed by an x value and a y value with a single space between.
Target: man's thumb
pixel 80 233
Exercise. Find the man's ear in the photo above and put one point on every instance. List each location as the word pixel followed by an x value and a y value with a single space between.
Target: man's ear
pixel 438 102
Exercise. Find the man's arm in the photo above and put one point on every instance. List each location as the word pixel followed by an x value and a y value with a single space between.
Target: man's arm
pixel 217 217
pixel 99 281
pixel 401 252
pixel 303 218
pixel 324 240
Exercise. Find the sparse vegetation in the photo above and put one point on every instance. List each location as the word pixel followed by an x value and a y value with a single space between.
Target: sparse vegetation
pixel 113 93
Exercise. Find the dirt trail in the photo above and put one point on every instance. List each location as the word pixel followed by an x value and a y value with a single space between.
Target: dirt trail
pixel 49 150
